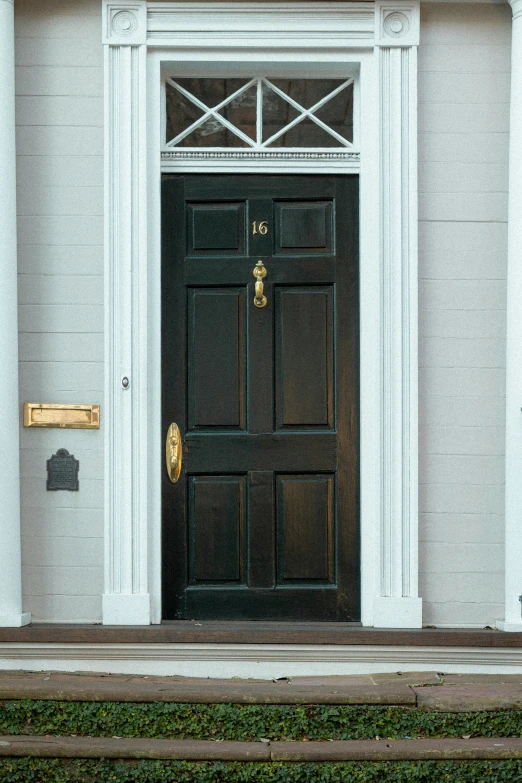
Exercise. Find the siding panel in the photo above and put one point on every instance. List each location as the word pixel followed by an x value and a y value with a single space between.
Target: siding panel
pixel 51 260
pixel 57 289
pixel 59 170
pixel 58 110
pixel 59 85
pixel 464 64
pixel 51 201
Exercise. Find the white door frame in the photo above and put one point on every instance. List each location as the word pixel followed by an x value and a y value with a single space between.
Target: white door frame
pixel 381 40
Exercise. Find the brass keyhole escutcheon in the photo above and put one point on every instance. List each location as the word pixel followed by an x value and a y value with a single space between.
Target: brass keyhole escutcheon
pixel 259 273
pixel 174 452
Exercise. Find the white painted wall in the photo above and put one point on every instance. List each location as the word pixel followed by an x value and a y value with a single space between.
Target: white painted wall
pixel 463 123
pixel 464 62
pixel 60 228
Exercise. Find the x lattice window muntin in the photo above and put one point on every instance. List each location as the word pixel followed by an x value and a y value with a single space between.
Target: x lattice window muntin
pixel 261 84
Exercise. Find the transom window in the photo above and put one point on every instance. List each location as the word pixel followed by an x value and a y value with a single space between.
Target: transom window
pixel 259 114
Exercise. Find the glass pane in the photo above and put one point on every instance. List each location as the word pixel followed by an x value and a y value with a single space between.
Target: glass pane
pixel 306 134
pixel 337 113
pixel 276 112
pixel 212 134
pixel 212 91
pixel 181 113
pixel 242 112
pixel 307 92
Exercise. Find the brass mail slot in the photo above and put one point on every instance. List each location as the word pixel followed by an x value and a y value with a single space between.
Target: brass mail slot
pixel 76 417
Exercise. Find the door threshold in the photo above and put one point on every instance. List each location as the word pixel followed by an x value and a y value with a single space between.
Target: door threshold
pixel 205 632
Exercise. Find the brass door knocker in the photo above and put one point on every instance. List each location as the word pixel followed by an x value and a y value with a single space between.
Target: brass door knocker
pixel 259 273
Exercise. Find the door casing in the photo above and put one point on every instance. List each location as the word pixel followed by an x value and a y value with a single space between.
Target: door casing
pixel 364 66
pixel 308 37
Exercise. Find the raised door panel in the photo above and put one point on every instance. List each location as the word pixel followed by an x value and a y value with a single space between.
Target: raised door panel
pixel 306 528
pixel 216 529
pixel 217 361
pixel 216 229
pixel 303 227
pixel 304 357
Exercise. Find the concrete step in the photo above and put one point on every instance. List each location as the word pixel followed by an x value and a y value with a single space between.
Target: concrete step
pixel 485 748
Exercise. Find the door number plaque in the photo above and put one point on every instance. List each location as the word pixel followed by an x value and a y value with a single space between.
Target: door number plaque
pixel 62 472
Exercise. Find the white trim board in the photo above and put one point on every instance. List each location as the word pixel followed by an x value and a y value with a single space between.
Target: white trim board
pixel 261 662
pixel 380 42
pixel 513 507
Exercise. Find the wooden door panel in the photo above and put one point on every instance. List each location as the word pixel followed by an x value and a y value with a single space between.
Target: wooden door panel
pixel 280 452
pixel 264 521
pixel 217 529
pixel 303 227
pixel 262 545
pixel 306 528
pixel 226 272
pixel 285 603
pixel 304 357
pixel 216 358
pixel 213 228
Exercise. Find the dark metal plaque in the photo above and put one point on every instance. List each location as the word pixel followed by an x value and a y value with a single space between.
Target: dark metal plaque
pixel 62 471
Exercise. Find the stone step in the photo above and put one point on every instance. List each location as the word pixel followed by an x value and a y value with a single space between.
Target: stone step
pixel 428 691
pixel 383 689
pixel 199 750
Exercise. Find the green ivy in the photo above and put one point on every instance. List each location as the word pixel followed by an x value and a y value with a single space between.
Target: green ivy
pixel 93 771
pixel 247 721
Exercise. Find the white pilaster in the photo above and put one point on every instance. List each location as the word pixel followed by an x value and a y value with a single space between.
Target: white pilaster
pixel 126 600
pixel 397 36
pixel 10 554
pixel 513 559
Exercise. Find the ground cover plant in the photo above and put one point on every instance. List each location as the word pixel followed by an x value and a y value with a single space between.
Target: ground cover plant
pixel 93 771
pixel 248 722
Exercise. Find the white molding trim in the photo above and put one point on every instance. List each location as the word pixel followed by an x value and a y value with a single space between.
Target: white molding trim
pixel 397 603
pixel 513 554
pixel 10 535
pixel 126 600
pixel 397 24
pixel 274 25
pixel 125 23
pixel 280 162
pixel 294 35
pixel 261 661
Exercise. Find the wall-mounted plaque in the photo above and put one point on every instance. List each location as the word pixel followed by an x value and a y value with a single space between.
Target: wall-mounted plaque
pixel 76 417
pixel 62 471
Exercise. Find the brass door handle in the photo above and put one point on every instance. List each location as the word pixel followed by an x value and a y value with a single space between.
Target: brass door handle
pixel 174 452
pixel 259 273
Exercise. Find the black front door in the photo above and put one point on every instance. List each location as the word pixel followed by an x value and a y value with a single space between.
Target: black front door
pixel 264 520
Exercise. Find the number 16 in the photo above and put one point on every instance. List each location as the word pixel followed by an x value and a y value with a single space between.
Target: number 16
pixel 261 229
